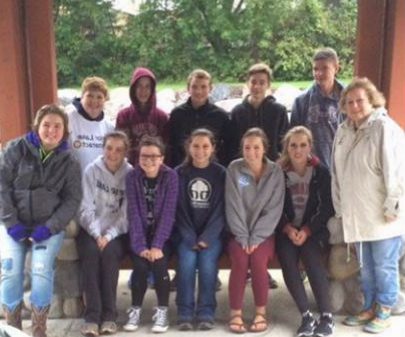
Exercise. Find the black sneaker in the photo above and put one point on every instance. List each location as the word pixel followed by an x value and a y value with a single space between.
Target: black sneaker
pixel 185 325
pixel 307 326
pixel 325 326
pixel 205 325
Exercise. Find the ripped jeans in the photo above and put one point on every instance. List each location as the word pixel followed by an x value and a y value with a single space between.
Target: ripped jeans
pixel 13 255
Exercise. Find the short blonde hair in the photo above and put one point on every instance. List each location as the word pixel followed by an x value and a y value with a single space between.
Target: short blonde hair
pixel 260 68
pixel 375 97
pixel 199 73
pixel 95 83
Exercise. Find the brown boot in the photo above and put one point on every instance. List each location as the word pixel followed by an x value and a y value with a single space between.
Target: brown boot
pixel 13 318
pixel 39 317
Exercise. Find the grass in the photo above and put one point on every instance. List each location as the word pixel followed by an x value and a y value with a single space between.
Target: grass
pixel 183 86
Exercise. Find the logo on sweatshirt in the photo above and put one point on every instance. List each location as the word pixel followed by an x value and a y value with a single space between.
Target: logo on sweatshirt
pixel 199 192
pixel 244 180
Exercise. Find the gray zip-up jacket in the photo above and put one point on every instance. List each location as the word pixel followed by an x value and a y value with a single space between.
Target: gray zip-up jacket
pixel 35 193
pixel 253 210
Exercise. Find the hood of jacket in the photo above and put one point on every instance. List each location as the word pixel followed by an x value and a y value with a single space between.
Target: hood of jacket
pixel 137 74
pixel 267 100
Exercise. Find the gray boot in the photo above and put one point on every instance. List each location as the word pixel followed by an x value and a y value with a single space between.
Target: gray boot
pixel 13 318
pixel 39 317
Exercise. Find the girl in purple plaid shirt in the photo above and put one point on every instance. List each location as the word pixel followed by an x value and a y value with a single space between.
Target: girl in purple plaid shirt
pixel 152 190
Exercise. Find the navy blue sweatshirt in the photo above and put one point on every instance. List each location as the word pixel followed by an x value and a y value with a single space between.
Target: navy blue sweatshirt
pixel 200 212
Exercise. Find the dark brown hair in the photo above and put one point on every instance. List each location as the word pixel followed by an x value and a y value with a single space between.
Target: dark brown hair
pixel 147 140
pixel 203 132
pixel 256 132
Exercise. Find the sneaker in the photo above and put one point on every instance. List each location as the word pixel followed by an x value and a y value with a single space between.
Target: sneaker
pixel 134 317
pixel 185 325
pixel 205 325
pixel 380 322
pixel 108 327
pixel 161 320
pixel 325 326
pixel 89 329
pixel 307 326
pixel 360 319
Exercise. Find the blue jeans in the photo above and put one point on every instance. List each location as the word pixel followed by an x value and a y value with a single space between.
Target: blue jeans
pixel 42 269
pixel 206 262
pixel 380 271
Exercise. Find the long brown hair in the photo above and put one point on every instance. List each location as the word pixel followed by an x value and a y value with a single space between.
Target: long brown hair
pixel 256 132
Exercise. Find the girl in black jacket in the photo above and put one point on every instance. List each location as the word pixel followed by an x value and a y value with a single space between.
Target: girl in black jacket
pixel 302 233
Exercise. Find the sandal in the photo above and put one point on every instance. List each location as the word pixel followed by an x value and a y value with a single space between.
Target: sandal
pixel 262 321
pixel 236 327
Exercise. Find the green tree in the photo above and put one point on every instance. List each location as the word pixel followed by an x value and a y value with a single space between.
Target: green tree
pixel 87 40
pixel 172 37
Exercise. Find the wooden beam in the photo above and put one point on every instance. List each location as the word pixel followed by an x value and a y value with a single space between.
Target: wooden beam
pixel 380 50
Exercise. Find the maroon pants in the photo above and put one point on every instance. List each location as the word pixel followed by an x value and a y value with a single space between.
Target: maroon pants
pixel 257 263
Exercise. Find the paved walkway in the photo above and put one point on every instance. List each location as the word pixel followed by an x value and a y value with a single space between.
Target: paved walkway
pixel 284 318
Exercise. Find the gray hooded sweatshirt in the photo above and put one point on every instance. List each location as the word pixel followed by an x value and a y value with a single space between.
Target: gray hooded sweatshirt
pixel 253 210
pixel 103 211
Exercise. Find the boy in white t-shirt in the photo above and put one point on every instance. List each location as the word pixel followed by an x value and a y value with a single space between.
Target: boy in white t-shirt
pixel 87 122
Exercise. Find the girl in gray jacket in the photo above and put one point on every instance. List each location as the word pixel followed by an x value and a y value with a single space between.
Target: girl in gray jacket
pixel 254 202
pixel 40 191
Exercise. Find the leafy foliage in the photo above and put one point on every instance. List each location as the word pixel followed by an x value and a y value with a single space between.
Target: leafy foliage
pixel 172 37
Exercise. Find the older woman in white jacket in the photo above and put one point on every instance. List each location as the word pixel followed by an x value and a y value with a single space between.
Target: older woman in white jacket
pixel 368 188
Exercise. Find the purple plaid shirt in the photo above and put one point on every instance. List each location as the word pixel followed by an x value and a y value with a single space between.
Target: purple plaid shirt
pixel 164 207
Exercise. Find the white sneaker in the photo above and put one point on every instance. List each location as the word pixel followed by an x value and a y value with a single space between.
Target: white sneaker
pixel 134 316
pixel 161 320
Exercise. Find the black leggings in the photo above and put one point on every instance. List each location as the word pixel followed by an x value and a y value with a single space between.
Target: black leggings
pixel 99 276
pixel 310 253
pixel 140 284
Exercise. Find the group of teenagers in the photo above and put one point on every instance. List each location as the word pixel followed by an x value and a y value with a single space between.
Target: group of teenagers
pixel 197 183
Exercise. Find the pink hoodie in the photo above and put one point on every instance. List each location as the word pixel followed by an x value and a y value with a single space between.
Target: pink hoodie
pixel 136 123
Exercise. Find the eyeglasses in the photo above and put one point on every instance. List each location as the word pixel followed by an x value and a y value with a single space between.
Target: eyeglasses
pixel 152 157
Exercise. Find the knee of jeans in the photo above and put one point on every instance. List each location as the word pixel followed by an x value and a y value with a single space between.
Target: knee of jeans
pixel 41 268
pixel 9 268
pixel 6 265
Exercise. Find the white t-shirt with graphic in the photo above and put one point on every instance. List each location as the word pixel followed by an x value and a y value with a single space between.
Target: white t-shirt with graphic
pixel 86 137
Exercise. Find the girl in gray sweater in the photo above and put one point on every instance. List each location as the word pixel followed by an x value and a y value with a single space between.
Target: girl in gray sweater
pixel 254 202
